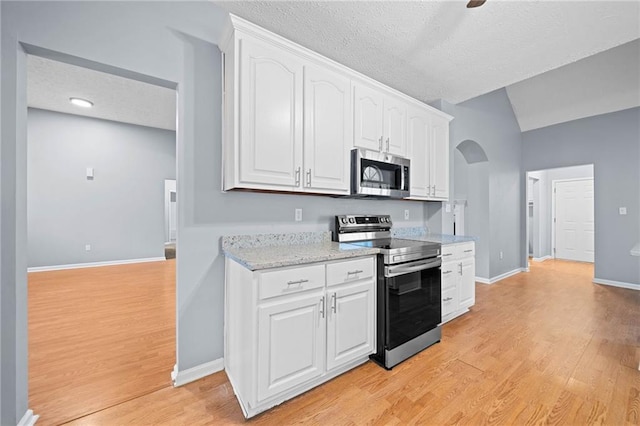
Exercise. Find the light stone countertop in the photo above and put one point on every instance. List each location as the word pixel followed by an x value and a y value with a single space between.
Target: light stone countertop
pixel 423 234
pixel 265 251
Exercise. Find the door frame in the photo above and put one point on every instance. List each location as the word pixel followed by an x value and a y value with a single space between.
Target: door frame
pixel 553 210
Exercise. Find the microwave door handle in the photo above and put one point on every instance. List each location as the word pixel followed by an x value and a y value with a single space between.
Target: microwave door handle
pixel 404 269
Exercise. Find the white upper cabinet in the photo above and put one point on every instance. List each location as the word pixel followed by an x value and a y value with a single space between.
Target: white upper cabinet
pixel 270 115
pixel 380 121
pixel 368 122
pixel 428 140
pixel 327 130
pixel 291 117
pixel 395 127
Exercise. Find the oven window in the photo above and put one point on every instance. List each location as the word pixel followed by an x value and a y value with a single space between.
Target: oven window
pixel 376 174
pixel 413 305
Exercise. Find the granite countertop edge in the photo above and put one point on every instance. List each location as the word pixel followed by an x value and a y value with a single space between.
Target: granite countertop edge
pixel 268 257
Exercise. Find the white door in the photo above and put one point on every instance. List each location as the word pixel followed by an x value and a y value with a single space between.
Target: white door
pixel 271 116
pixel 327 130
pixel 350 319
pixel 395 127
pixel 574 220
pixel 290 344
pixel 439 158
pixel 418 138
pixel 367 108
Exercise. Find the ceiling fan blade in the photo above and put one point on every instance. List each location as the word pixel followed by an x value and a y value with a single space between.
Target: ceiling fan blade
pixel 475 3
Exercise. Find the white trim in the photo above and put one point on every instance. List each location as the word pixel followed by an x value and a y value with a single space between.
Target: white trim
pixel 617 284
pixel 542 259
pixel 29 419
pixel 195 373
pixel 500 277
pixel 93 264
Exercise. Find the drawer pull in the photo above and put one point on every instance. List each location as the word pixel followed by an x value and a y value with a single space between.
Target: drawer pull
pixel 447 299
pixel 468 251
pixel 446 272
pixel 357 271
pixel 447 254
pixel 297 282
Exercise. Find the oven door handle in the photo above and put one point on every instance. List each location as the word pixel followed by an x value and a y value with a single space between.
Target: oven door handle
pixel 391 272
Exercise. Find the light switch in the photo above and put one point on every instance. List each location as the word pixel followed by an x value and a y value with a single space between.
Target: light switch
pixel 622 210
pixel 406 215
pixel 89 173
pixel 298 215
pixel 447 207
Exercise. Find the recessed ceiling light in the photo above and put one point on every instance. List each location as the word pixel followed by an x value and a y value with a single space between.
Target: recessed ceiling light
pixel 81 102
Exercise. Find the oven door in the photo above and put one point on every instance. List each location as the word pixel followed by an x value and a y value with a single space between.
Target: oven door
pixel 413 305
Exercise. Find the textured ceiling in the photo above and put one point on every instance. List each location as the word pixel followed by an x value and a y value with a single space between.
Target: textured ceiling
pixel 599 84
pixel 441 50
pixel 50 84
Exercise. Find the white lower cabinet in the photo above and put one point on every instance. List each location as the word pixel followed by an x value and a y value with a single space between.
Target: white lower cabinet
pixel 290 329
pixel 458 279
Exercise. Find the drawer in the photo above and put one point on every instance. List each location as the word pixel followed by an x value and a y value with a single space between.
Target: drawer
pixel 458 251
pixel 350 270
pixel 291 281
pixel 449 274
pixel 448 252
pixel 449 301
pixel 467 250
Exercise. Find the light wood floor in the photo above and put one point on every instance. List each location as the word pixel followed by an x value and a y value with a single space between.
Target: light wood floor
pixel 545 347
pixel 99 337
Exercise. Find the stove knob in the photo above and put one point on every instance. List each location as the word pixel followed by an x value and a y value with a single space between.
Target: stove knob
pixel 385 219
pixel 343 220
pixel 352 220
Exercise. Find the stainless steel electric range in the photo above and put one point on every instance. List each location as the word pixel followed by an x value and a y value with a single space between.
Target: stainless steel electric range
pixel 408 289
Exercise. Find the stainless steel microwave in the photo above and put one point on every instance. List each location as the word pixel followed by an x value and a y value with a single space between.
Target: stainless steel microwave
pixel 379 174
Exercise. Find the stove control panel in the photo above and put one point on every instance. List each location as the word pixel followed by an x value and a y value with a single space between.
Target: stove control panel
pixel 353 223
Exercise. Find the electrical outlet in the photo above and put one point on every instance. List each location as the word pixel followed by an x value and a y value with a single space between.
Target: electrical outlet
pixel 501 255
pixel 87 247
pixel 406 215
pixel 298 215
pixel 622 210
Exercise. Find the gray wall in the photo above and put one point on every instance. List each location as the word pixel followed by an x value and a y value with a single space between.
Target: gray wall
pixel 167 42
pixel 120 212
pixel 489 121
pixel 612 143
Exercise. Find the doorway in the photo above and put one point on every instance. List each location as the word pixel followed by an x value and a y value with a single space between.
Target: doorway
pixel 542 221
pixel 101 296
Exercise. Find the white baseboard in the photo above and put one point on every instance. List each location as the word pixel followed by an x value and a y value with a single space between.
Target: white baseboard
pixel 195 373
pixel 500 277
pixel 29 419
pixel 93 264
pixel 542 259
pixel 617 284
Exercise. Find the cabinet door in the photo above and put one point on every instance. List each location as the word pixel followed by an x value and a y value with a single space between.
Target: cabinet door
pixel 418 138
pixel 327 130
pixel 467 283
pixel 367 108
pixel 350 323
pixel 395 127
pixel 290 344
pixel 270 115
pixel 439 162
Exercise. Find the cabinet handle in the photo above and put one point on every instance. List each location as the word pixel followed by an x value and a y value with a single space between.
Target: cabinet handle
pixel 309 177
pixel 446 272
pixel 447 254
pixel 298 176
pixel 322 306
pixel 297 282
pixel 460 265
pixel 357 271
pixel 468 251
pixel 387 144
pixel 333 302
pixel 380 144
pixel 447 299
